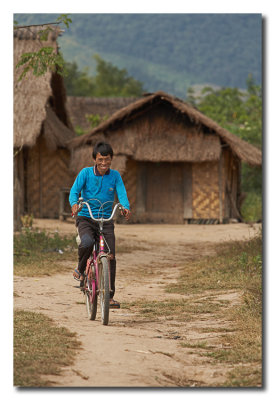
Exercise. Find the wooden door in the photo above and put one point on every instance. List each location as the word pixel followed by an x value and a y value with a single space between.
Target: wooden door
pixel 164 191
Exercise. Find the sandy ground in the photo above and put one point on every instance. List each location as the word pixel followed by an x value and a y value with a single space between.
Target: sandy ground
pixel 130 351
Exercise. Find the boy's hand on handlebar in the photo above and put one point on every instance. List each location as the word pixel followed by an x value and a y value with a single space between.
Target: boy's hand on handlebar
pixel 75 209
pixel 126 213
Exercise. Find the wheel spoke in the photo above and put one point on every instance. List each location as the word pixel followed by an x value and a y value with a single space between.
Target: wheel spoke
pixel 91 300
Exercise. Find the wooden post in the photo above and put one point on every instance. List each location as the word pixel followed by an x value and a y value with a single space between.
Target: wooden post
pixel 221 187
pixel 233 204
pixel 17 188
pixel 62 198
pixel 61 205
pixel 40 177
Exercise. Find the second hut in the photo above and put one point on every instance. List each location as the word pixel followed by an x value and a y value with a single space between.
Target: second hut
pixel 178 165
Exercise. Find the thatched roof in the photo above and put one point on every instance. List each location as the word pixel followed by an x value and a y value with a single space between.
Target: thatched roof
pixel 80 107
pixel 55 132
pixel 204 126
pixel 32 95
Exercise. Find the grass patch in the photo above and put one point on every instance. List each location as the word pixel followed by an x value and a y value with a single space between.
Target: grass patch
pixel 198 345
pixel 244 377
pixel 182 309
pixel 40 348
pixel 237 266
pixel 39 253
pixel 237 269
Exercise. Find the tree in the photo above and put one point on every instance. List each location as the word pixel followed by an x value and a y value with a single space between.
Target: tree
pixel 108 81
pixel 112 81
pixel 238 111
pixel 78 83
pixel 45 58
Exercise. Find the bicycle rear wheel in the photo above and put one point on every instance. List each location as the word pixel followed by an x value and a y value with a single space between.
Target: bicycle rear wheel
pixel 91 300
pixel 104 290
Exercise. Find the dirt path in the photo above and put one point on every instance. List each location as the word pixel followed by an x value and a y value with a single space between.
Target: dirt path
pixel 131 351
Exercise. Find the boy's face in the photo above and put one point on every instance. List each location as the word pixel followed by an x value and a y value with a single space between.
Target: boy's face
pixel 103 163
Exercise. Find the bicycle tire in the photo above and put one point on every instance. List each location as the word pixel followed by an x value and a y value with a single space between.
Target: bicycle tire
pixel 91 301
pixel 104 290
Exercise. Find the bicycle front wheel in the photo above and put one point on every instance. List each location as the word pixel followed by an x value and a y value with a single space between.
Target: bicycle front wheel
pixel 104 290
pixel 91 300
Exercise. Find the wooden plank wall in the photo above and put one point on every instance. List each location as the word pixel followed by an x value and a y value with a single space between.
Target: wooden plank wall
pixel 159 192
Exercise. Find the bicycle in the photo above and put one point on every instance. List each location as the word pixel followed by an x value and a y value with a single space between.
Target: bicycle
pixel 97 273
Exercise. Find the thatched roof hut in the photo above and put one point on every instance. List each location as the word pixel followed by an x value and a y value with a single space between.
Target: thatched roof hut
pixel 159 142
pixel 42 129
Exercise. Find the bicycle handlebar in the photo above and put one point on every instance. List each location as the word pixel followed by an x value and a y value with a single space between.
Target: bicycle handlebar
pixel 81 202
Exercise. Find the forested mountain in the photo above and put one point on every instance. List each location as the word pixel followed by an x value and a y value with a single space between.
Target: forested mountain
pixel 168 52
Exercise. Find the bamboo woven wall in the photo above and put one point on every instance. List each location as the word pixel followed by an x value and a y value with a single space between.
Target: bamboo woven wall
pixel 205 177
pixel 47 173
pixel 33 181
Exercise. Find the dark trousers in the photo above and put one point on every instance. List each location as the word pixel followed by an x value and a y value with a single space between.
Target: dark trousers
pixel 88 231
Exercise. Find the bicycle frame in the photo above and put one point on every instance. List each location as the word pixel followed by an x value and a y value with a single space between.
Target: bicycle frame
pixel 94 274
pixel 94 260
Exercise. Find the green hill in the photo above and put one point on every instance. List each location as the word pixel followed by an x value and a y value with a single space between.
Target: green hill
pixel 169 52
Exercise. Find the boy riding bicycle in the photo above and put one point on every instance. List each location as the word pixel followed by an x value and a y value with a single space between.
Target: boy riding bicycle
pixel 100 182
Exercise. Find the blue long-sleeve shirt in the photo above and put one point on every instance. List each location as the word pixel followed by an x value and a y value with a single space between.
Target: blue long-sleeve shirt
pixel 92 185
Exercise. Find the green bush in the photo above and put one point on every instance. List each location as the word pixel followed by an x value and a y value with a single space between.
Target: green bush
pixel 251 209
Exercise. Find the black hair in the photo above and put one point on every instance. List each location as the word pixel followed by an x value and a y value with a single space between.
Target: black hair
pixel 103 148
